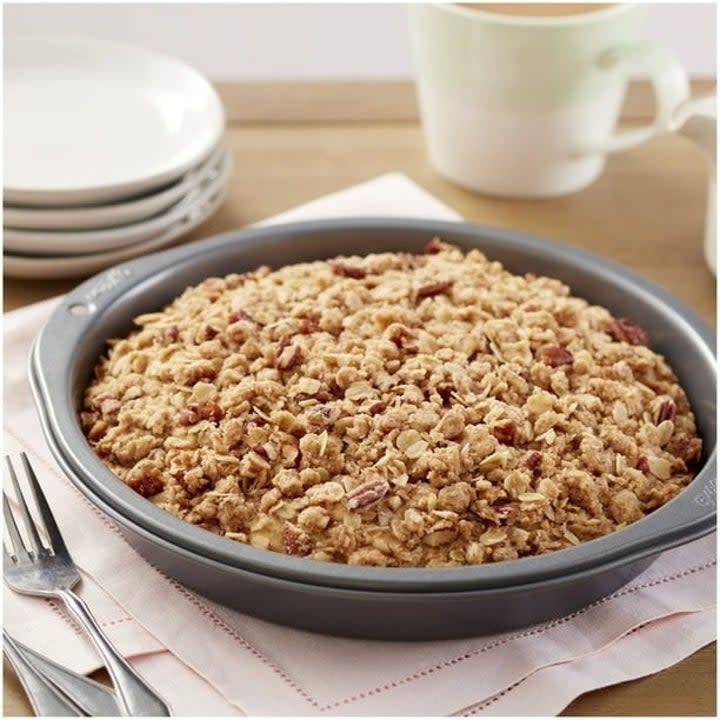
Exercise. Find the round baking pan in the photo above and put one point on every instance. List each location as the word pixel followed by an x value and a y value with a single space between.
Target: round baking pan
pixel 475 599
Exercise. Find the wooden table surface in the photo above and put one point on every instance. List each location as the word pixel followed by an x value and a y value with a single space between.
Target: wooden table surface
pixel 292 143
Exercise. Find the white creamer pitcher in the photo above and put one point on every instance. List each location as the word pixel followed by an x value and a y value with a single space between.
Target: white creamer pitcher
pixel 697 119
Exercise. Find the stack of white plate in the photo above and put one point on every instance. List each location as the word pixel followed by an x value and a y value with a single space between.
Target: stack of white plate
pixel 109 151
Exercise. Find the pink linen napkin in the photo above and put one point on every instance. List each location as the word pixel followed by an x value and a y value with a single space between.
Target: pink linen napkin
pixel 211 661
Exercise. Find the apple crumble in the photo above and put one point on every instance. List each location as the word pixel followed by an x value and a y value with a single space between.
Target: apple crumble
pixel 401 410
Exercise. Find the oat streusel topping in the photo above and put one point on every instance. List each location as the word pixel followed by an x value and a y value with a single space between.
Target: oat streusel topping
pixel 393 410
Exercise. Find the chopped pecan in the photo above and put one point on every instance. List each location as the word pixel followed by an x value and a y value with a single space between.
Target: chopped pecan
pixel 284 341
pixel 146 482
pixel 377 407
pixel 687 449
pixel 171 333
pixel 505 432
pixel 287 356
pixel 556 356
pixel 624 330
pixel 190 415
pixel 295 541
pixel 666 411
pixel 642 464
pixel 260 450
pixel 399 334
pixel 445 391
pixel 298 457
pixel 241 314
pixel 433 289
pixel 348 271
pixel 533 461
pixel 308 326
pixel 504 511
pixel 210 332
pixel 433 247
pixel 323 396
pixel 367 493
pixel 212 411
pixel 195 412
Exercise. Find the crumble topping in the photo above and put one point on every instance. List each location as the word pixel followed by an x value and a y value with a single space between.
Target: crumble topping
pixel 393 410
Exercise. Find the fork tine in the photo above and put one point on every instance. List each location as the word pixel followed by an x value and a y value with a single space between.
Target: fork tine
pixel 18 546
pixel 7 557
pixel 57 544
pixel 33 536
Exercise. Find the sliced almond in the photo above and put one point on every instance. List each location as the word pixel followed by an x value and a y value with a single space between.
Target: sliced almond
pixel 496 460
pixel 309 386
pixel 540 402
pixel 659 467
pixel 407 438
pixel 619 412
pixel 359 390
pixel 492 537
pixel 665 431
pixel 323 442
pixel 532 497
pixel 260 540
pixel 439 537
pixel 416 449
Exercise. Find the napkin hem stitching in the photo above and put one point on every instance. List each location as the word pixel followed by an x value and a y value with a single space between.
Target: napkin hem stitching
pixel 55 606
pixel 484 704
pixel 518 636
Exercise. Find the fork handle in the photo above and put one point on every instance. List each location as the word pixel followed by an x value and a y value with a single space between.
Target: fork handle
pixel 135 696
pixel 45 699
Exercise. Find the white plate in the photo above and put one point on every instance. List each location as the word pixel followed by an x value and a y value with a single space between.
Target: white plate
pixel 25 266
pixel 98 217
pixel 89 121
pixel 84 242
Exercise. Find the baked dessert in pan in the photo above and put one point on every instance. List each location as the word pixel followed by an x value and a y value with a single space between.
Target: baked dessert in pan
pixel 394 410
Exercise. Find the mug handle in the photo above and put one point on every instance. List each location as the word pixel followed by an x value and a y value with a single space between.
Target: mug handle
pixel 669 81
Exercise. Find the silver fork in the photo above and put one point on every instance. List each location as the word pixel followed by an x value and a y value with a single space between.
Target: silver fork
pixel 46 701
pixel 85 696
pixel 50 572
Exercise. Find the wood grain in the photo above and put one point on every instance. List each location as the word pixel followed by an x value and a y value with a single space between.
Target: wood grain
pixel 646 211
pixel 686 689
pixel 362 102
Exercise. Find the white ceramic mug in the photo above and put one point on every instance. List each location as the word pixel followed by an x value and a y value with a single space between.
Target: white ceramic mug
pixel 515 105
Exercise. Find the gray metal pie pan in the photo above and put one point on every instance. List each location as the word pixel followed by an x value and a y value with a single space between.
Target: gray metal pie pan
pixel 376 602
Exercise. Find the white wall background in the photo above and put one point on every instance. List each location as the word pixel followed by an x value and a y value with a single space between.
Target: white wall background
pixel 306 41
